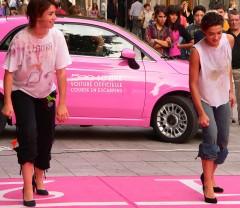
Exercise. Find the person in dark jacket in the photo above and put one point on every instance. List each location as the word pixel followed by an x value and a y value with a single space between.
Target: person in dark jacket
pixel 112 10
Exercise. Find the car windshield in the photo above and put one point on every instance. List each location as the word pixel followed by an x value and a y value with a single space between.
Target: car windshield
pixel 136 37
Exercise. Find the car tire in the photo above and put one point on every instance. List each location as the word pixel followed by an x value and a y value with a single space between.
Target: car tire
pixel 3 119
pixel 175 119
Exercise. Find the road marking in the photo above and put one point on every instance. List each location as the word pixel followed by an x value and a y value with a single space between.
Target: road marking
pixel 72 204
pixel 191 183
pixel 52 194
pixel 186 203
pixel 131 198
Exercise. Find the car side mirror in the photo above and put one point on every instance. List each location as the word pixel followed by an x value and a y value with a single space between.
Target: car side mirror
pixel 129 54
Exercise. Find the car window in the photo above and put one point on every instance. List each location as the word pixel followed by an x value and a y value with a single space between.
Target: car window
pixel 6 42
pixel 88 40
pixel 94 41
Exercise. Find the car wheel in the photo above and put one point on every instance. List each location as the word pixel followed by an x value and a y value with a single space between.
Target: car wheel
pixel 175 119
pixel 3 119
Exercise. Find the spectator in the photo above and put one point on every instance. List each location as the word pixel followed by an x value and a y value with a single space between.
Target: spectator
pixel 157 34
pixel 64 6
pixel 212 3
pixel 60 10
pixel 22 9
pixel 134 13
pixel 186 12
pixel 219 7
pixel 94 12
pixel 232 5
pixel 234 30
pixel 121 13
pixel 145 16
pixel 112 11
pixel 195 28
pixel 5 7
pixel 2 10
pixel 13 7
pixel 177 32
pixel 74 10
pixel 183 21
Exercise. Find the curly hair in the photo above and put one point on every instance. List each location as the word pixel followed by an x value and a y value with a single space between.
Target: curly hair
pixel 211 19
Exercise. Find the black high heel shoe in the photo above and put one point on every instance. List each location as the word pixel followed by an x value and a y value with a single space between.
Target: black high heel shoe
pixel 31 203
pixel 210 200
pixel 216 189
pixel 42 192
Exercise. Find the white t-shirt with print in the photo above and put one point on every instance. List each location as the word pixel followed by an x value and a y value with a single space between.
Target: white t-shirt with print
pixel 33 61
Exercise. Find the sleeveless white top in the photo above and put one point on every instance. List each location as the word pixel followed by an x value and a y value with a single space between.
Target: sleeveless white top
pixel 214 82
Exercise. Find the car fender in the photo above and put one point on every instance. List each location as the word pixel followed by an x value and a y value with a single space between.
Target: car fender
pixel 162 86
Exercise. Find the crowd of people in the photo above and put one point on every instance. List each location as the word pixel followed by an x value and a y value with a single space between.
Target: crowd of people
pixel 65 7
pixel 174 29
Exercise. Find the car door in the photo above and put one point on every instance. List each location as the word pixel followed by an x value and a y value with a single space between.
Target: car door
pixel 101 84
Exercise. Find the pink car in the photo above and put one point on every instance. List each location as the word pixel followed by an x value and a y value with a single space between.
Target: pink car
pixel 117 80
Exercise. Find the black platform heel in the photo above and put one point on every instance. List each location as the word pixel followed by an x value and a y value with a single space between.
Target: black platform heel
pixel 216 189
pixel 210 200
pixel 31 203
pixel 42 192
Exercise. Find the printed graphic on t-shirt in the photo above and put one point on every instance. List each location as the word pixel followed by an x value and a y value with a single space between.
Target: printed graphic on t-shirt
pixel 37 54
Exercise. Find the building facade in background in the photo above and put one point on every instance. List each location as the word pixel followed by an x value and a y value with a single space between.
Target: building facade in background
pixel 124 6
pixel 85 4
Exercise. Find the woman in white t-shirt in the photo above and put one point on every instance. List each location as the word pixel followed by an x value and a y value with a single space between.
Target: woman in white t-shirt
pixel 36 54
pixel 212 93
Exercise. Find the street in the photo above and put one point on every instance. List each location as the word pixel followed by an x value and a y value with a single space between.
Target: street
pixel 120 151
pixel 120 167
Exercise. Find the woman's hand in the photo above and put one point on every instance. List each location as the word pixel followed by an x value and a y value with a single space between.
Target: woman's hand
pixel 7 110
pixel 62 113
pixel 203 120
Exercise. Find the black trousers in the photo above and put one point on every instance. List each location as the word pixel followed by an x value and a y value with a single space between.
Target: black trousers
pixel 35 124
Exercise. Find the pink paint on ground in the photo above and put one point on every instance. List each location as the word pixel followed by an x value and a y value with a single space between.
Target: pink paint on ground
pixel 129 192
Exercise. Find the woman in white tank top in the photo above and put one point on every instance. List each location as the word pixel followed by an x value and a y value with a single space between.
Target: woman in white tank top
pixel 211 87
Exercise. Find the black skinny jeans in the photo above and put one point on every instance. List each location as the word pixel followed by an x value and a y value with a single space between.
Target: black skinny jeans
pixel 35 124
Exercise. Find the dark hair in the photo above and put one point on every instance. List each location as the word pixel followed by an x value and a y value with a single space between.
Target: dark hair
pixel 173 9
pixel 94 5
pixel 36 8
pixel 211 19
pixel 146 5
pixel 158 9
pixel 199 8
pixel 233 12
pixel 159 6
pixel 218 5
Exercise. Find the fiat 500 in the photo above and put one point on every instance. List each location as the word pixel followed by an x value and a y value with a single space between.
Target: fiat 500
pixel 115 79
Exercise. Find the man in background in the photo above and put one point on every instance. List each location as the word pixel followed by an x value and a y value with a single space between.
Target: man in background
pixel 234 30
pixel 134 14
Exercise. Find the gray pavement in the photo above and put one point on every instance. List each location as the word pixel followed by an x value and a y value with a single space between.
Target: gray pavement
pixel 114 151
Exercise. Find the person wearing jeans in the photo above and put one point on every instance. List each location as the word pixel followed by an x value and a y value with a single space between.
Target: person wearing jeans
pixel 211 86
